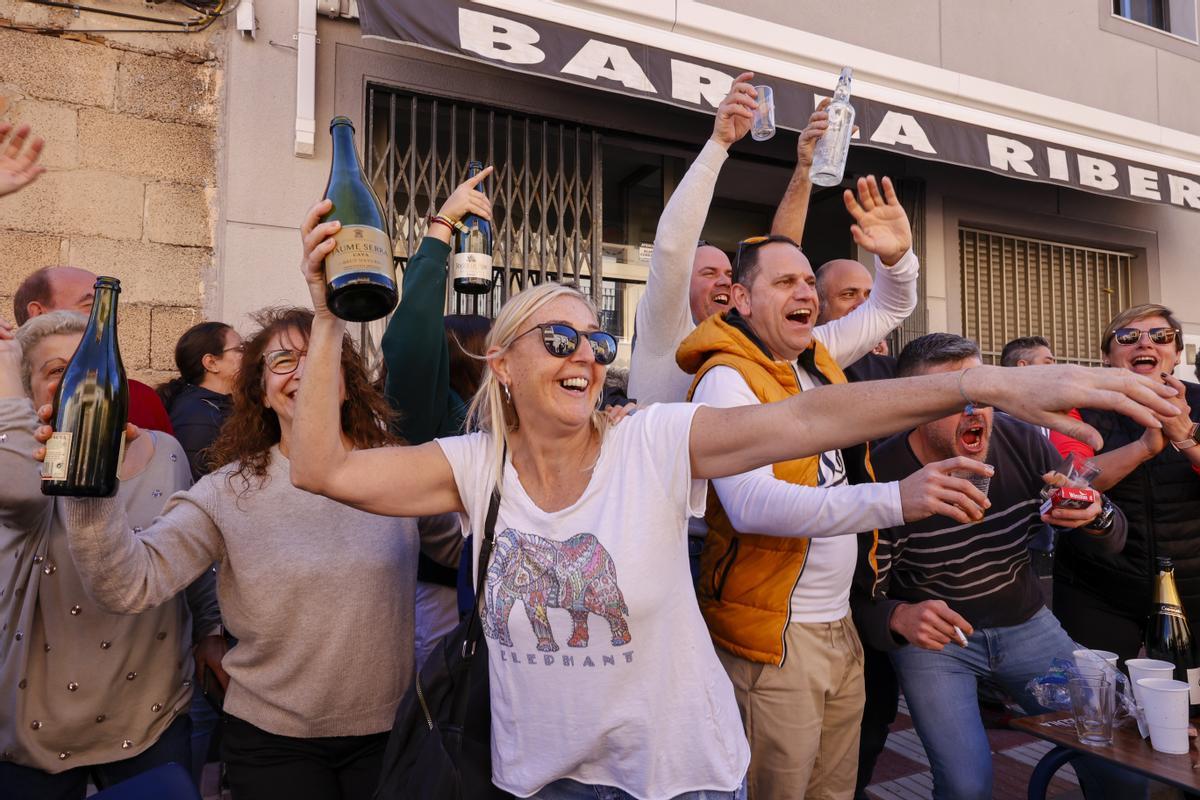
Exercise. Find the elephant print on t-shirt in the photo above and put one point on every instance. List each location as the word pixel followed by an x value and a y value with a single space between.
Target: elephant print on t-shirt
pixel 577 575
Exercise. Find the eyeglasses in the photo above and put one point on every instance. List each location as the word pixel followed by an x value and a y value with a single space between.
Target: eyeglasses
pixel 754 242
pixel 241 348
pixel 561 340
pixel 284 362
pixel 1130 336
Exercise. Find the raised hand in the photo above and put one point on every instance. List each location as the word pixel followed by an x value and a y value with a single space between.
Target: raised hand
pixel 466 199
pixel 317 239
pixel 933 490
pixel 18 161
pixel 880 224
pixel 736 111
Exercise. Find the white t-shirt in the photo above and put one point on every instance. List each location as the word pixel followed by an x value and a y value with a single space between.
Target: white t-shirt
pixel 758 502
pixel 602 669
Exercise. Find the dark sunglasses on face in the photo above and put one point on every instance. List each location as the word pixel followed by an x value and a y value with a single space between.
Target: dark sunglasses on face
pixel 284 362
pixel 561 340
pixel 1129 336
pixel 753 242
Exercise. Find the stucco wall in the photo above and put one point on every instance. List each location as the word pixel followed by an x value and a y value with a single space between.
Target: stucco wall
pixel 131 129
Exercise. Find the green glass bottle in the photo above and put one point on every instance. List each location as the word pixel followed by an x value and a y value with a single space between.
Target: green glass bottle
pixel 360 276
pixel 91 407
pixel 472 268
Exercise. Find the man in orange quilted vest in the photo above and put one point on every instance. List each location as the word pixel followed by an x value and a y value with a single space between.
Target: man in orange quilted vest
pixel 781 550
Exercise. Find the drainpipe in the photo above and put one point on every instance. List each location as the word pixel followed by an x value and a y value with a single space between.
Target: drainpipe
pixel 306 78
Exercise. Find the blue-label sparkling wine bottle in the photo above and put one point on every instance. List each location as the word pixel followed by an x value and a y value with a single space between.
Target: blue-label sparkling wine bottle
pixel 360 276
pixel 91 407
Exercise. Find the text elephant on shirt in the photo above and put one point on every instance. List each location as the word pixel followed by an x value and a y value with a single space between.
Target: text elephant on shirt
pixel 577 575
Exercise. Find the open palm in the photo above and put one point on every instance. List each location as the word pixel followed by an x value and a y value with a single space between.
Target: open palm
pixel 18 162
pixel 880 224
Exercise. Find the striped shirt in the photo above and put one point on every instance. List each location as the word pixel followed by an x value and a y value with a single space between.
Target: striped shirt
pixel 980 569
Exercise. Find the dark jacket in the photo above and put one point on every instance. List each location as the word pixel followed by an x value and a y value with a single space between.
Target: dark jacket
pixel 197 415
pixel 1161 499
pixel 418 373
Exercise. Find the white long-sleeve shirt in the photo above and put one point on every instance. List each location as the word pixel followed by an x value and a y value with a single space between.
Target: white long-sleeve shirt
pixel 757 501
pixel 664 316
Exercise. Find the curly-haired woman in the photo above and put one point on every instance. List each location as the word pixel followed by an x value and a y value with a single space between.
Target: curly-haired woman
pixel 319 595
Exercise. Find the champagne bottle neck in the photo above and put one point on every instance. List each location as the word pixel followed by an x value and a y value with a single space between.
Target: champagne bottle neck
pixel 345 156
pixel 1165 593
pixel 103 321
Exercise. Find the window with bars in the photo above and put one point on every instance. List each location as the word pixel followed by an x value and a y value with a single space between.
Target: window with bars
pixel 545 189
pixel 1014 286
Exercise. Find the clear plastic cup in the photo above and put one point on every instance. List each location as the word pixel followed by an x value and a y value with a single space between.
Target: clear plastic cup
pixel 1093 702
pixel 762 127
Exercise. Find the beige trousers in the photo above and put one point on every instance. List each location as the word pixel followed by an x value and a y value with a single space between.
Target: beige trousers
pixel 803 718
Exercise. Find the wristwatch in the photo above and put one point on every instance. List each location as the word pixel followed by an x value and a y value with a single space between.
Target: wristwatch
pixel 1104 520
pixel 1190 440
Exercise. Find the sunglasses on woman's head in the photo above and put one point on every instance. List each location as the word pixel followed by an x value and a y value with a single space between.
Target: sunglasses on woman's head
pixel 283 362
pixel 1128 336
pixel 561 341
pixel 753 242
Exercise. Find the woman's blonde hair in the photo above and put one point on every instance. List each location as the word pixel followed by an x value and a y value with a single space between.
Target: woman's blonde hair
pixel 490 408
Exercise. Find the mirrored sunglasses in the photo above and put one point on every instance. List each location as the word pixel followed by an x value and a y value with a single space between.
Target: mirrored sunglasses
pixel 1128 336
pixel 562 340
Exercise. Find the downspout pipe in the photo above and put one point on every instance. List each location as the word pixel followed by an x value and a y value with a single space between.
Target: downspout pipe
pixel 306 78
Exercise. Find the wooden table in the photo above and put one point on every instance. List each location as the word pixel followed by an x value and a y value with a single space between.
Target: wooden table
pixel 1128 749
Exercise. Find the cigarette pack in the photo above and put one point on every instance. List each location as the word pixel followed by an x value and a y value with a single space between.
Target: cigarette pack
pixel 1069 497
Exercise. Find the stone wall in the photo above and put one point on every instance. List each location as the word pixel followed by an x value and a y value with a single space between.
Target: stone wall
pixel 131 128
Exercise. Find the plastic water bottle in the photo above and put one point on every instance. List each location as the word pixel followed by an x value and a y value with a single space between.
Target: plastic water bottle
pixel 829 158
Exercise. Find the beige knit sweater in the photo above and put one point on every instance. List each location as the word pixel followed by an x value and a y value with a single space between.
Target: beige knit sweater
pixel 318 594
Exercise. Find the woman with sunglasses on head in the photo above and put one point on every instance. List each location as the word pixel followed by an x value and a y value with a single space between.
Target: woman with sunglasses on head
pixel 606 676
pixel 1153 474
pixel 318 595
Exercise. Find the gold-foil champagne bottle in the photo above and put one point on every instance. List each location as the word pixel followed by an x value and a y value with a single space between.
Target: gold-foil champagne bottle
pixel 360 276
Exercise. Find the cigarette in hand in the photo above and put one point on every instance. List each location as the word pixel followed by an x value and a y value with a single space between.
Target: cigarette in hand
pixel 962 639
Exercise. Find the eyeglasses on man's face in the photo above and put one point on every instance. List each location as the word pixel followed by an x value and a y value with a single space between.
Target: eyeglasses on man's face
pixel 561 341
pixel 1131 336
pixel 283 362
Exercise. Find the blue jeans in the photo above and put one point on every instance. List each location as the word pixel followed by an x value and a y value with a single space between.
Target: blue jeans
pixel 941 689
pixel 567 789
pixel 26 783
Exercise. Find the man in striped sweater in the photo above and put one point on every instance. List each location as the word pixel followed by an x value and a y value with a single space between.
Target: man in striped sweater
pixel 957 603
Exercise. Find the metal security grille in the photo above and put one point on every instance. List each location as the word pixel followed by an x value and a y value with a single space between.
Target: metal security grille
pixel 1013 286
pixel 545 190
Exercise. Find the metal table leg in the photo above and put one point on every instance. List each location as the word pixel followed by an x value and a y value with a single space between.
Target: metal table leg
pixel 1043 773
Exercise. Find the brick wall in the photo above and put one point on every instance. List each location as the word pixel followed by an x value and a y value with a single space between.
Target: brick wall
pixel 130 124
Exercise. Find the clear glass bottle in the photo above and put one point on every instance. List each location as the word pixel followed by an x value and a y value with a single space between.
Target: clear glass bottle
pixel 829 156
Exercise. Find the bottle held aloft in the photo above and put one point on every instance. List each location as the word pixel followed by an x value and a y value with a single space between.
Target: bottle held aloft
pixel 91 407
pixel 472 270
pixel 829 157
pixel 360 276
pixel 1168 635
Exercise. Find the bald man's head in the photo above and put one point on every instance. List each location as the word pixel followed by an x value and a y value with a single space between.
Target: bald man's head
pixel 53 289
pixel 842 285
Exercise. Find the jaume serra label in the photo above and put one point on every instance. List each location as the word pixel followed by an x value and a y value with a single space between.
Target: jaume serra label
pixel 360 248
pixel 473 265
pixel 58 455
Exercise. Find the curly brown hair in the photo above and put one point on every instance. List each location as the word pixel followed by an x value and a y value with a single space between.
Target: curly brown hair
pixel 252 429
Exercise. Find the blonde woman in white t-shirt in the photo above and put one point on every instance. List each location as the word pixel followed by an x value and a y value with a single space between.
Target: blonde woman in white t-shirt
pixel 602 670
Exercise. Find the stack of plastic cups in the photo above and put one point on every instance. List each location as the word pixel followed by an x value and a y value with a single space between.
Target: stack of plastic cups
pixel 1147 668
pixel 1165 703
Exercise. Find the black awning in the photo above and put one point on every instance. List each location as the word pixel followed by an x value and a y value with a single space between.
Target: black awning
pixel 550 49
